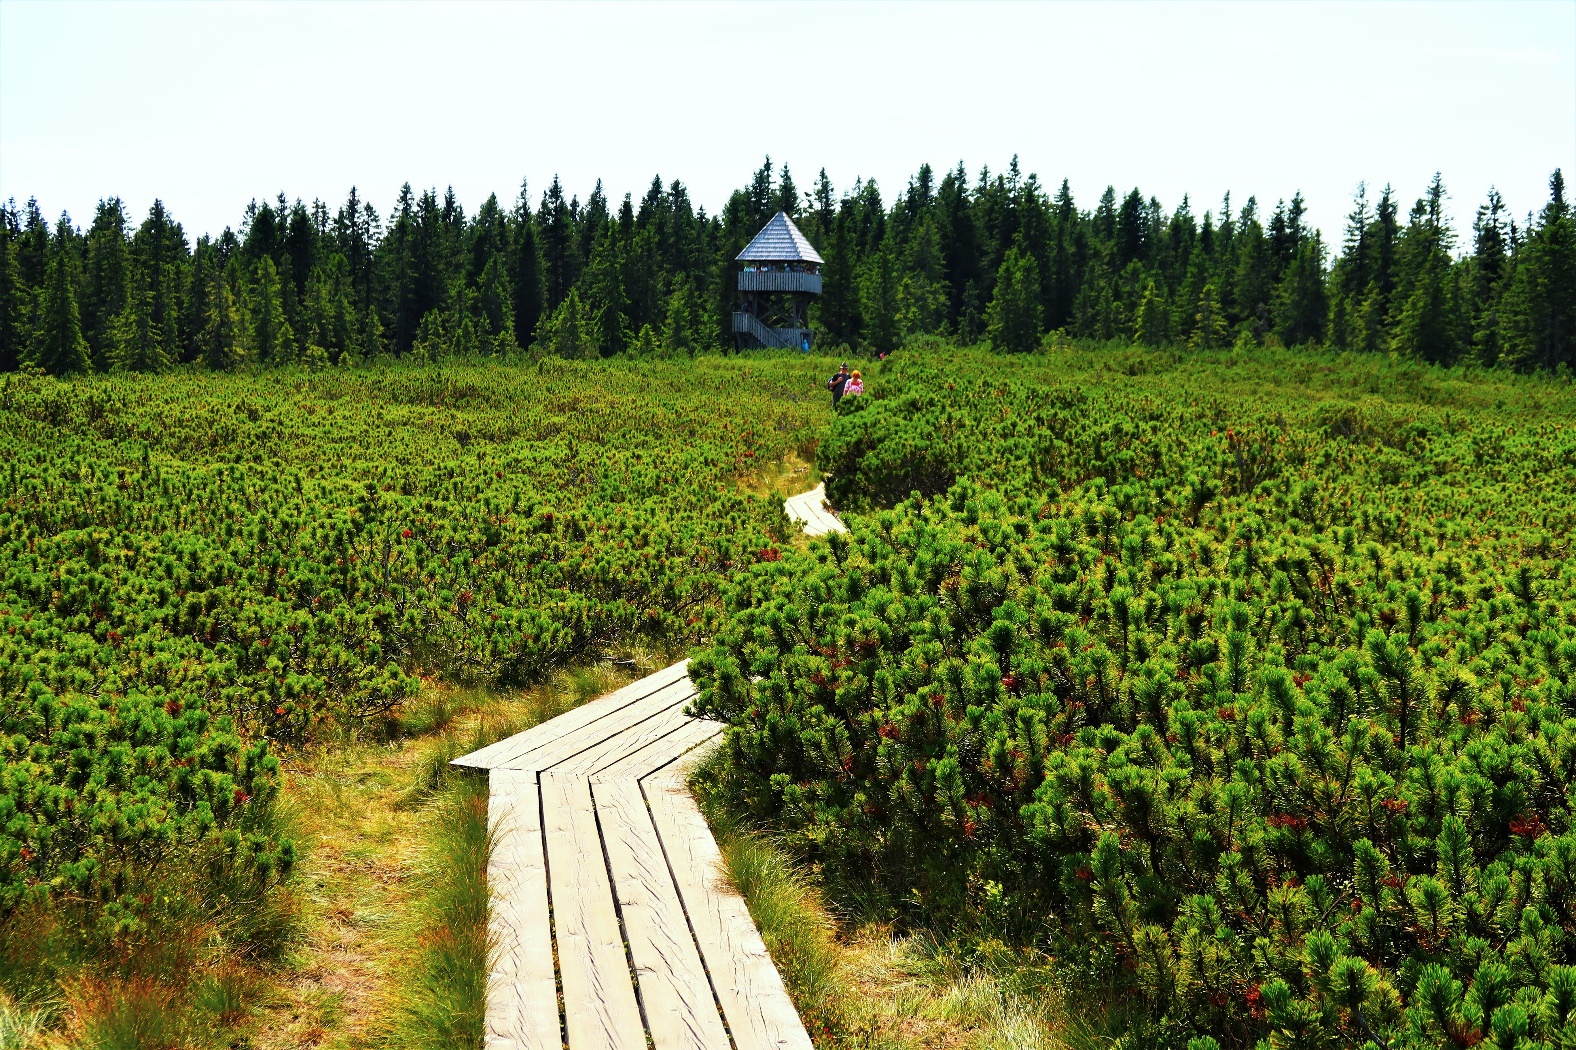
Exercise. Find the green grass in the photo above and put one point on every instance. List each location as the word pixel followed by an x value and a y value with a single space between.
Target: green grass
pixel 439 1000
pixel 21 1026
pixel 796 928
pixel 442 998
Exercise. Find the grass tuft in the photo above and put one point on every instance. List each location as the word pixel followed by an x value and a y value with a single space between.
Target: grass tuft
pixel 21 1026
pixel 136 1013
pixel 795 926
pixel 441 1000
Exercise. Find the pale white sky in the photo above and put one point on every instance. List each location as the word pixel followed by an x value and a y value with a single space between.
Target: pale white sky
pixel 211 105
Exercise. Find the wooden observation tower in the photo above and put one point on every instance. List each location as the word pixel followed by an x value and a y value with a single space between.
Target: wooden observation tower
pixel 781 271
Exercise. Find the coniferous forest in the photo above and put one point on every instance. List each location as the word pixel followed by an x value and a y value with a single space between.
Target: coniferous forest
pixel 999 257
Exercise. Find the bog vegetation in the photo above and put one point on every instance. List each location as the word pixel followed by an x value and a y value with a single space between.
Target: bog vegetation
pixel 1238 678
pixel 1245 685
pixel 198 571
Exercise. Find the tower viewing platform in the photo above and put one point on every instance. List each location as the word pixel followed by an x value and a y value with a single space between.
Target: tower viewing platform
pixel 780 271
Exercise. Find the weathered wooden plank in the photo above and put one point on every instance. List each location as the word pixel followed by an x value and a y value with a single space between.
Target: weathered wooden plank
pixel 632 739
pixel 522 995
pixel 584 715
pixel 691 735
pixel 756 1005
pixel 572 744
pixel 809 508
pixel 600 1009
pixel 680 1010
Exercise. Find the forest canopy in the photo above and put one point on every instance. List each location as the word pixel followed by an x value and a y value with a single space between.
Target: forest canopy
pixel 1000 257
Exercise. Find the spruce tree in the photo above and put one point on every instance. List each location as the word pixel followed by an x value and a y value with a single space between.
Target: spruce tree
pixel 1539 310
pixel 681 329
pixel 922 295
pixel 32 247
pixel 431 343
pixel 1300 307
pixel 567 332
pixel 272 337
pixel 560 263
pixel 604 293
pixel 58 346
pixel 105 284
pixel 1152 324
pixel 465 341
pixel 223 339
pixel 1426 321
pixel 1013 320
pixel 139 346
pixel 818 222
pixel 1427 326
pixel 646 343
pixel 1490 262
pixel 880 304
pixel 369 335
pixel 787 194
pixel 840 314
pixel 1209 324
pixel 159 251
pixel 14 298
pixel 328 310
pixel 494 308
pixel 1251 278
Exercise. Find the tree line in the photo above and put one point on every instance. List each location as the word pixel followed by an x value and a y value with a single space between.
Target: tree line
pixel 998 257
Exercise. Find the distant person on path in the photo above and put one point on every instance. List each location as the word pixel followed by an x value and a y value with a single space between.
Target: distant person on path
pixel 855 386
pixel 837 382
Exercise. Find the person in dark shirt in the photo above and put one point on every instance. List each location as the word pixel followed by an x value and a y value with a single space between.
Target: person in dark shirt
pixel 837 382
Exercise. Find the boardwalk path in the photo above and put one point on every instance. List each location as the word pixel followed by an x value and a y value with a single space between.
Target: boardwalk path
pixel 612 920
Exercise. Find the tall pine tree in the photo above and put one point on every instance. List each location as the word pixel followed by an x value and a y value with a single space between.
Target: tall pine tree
pixel 1539 311
pixel 1013 320
pixel 223 340
pixel 138 344
pixel 272 337
pixel 58 346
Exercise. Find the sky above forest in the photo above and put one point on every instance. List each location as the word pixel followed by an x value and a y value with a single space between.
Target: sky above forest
pixel 209 106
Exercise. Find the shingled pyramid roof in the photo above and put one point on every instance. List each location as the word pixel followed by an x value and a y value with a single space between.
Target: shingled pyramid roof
pixel 780 241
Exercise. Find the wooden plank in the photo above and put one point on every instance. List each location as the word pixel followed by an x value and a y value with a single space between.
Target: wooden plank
pixel 625 743
pixel 573 743
pixel 522 993
pixel 674 989
pixel 809 508
pixel 756 1005
pixel 691 735
pixel 600 1009
pixel 584 715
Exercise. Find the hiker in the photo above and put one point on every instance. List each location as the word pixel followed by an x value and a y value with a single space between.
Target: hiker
pixel 836 383
pixel 855 386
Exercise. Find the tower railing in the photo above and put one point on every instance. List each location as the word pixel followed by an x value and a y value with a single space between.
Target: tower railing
pixel 769 281
pixel 749 324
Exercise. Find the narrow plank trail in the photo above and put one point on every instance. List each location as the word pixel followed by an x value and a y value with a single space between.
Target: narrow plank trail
pixel 614 924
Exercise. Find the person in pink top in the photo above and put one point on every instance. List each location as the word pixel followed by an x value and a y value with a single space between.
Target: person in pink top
pixel 854 386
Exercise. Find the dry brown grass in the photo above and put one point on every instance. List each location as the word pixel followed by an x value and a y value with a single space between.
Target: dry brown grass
pixel 359 853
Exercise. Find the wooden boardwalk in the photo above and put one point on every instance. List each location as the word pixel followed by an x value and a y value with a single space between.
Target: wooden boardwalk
pixel 603 865
pixel 613 925
pixel 810 510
